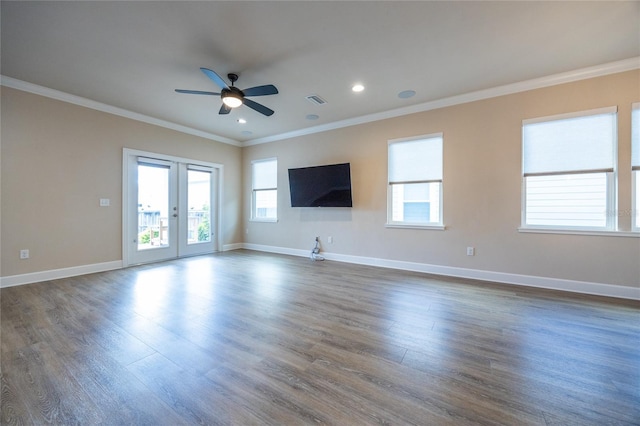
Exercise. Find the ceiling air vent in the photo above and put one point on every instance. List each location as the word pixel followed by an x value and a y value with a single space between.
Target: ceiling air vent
pixel 316 100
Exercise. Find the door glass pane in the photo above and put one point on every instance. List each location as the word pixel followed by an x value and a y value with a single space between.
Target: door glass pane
pixel 153 206
pixel 198 207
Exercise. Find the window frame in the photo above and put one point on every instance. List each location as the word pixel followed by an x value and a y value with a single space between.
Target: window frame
pixel 611 222
pixel 415 225
pixel 635 201
pixel 635 168
pixel 254 191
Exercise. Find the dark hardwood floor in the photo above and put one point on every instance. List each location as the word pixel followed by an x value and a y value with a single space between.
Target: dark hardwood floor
pixel 253 338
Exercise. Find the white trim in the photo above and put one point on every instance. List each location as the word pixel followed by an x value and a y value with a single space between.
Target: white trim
pixel 154 161
pixel 55 274
pixel 264 220
pixel 574 114
pixel 579 232
pixel 416 138
pixel 415 226
pixel 99 106
pixel 583 287
pixel 234 246
pixel 274 249
pixel 197 167
pixel 508 89
pixel 262 160
pixel 635 144
pixel 635 203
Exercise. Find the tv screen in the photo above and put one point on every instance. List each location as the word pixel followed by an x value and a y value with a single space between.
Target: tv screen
pixel 321 186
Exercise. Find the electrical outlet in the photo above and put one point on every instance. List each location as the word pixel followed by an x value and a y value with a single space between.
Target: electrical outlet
pixel 24 254
pixel 105 202
pixel 330 240
pixel 471 251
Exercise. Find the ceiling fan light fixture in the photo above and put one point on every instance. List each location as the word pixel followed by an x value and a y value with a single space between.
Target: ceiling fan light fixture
pixel 231 100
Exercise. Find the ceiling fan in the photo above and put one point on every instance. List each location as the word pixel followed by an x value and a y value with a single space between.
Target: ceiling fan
pixel 232 97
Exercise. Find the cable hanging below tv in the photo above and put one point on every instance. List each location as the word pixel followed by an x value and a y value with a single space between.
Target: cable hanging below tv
pixel 321 186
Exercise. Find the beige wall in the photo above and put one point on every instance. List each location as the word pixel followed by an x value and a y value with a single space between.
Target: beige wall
pixel 482 189
pixel 59 159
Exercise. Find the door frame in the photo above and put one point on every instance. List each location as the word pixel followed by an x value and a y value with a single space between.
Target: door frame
pixel 127 154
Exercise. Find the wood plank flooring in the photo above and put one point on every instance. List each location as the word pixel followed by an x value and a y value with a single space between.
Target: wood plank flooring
pixel 250 338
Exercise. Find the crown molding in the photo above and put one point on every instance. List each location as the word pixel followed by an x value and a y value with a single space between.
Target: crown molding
pixel 508 89
pixel 99 106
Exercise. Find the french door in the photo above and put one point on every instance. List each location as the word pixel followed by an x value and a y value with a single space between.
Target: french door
pixel 170 207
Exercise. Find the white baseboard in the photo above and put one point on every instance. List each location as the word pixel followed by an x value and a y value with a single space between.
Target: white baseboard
pixel 584 287
pixel 235 246
pixel 55 274
pixel 278 250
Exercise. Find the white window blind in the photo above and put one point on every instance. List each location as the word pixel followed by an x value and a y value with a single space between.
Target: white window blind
pixel 582 142
pixel 416 160
pixel 265 174
pixel 635 136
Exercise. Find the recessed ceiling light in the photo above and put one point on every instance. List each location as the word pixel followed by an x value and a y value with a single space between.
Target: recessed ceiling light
pixel 312 117
pixel 242 120
pixel 406 94
pixel 357 88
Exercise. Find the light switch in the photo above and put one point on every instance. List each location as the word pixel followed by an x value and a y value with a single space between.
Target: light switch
pixel 105 202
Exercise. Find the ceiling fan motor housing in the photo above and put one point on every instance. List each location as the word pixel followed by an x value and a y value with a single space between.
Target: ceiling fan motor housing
pixel 232 91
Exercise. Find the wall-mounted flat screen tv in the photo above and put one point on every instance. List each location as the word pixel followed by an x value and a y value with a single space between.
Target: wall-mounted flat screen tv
pixel 321 186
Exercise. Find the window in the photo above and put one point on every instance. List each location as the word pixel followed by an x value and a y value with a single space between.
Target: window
pixel 415 182
pixel 569 171
pixel 265 190
pixel 635 164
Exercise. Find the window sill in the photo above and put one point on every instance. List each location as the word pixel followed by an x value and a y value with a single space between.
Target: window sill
pixel 415 226
pixel 632 234
pixel 263 220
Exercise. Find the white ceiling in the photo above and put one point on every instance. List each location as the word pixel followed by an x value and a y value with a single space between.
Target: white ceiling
pixel 132 55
